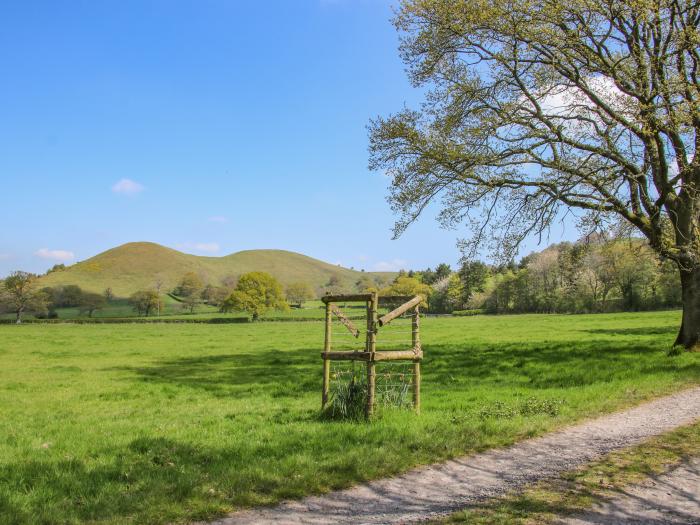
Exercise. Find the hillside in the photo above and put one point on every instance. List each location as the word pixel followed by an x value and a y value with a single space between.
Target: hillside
pixel 135 266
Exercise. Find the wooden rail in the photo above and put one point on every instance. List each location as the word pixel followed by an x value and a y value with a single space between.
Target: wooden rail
pixel 347 323
pixel 347 298
pixel 384 355
pixel 387 318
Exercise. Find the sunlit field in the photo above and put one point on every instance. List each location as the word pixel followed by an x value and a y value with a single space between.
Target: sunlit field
pixel 171 423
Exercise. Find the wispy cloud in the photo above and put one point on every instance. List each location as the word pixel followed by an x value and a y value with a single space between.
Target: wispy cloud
pixel 55 255
pixel 393 265
pixel 206 247
pixel 218 218
pixel 127 187
pixel 5 256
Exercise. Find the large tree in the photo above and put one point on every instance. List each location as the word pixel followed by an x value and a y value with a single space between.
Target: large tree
pixel 255 293
pixel 19 294
pixel 537 107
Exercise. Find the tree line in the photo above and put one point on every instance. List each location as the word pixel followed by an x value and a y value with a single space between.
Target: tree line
pixel 581 277
pixel 593 275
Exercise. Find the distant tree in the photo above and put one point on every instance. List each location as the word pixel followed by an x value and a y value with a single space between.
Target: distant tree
pixel 365 285
pixel 229 282
pixel 108 294
pixel 56 268
pixel 473 275
pixel 190 285
pixel 446 295
pixel 255 293
pixel 145 302
pixel 19 294
pixel 443 270
pixel 404 285
pixel 69 295
pixel 215 295
pixel 427 276
pixel 299 293
pixel 190 290
pixel 158 286
pixel 90 302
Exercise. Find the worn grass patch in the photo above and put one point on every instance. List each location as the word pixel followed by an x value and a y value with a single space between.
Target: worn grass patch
pixel 170 423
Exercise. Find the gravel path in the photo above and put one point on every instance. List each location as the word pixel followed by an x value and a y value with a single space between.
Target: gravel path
pixel 432 491
pixel 672 499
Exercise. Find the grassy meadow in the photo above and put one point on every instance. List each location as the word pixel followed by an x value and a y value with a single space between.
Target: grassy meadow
pixel 173 423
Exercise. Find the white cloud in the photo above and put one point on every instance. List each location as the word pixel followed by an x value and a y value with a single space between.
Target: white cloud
pixel 127 187
pixel 393 265
pixel 5 256
pixel 207 247
pixel 55 255
pixel 218 218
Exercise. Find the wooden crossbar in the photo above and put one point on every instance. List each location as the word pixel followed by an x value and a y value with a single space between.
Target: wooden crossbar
pixel 387 355
pixel 347 323
pixel 347 298
pixel 386 319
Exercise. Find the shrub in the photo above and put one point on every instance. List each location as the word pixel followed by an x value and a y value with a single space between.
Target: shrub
pixel 467 313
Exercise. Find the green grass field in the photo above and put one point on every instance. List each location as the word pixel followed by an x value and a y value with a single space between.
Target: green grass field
pixel 170 423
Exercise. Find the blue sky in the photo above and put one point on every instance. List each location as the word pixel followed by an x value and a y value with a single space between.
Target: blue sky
pixel 209 126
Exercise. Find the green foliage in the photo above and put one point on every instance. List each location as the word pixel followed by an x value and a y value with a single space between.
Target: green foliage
pixel 473 275
pixel 348 397
pixel 408 286
pixel 467 313
pixel 146 302
pixel 215 295
pixel 91 302
pixel 255 293
pixel 191 285
pixel 19 294
pixel 149 423
pixel 299 293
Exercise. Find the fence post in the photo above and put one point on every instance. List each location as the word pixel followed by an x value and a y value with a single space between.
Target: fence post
pixel 371 348
pixel 326 362
pixel 415 339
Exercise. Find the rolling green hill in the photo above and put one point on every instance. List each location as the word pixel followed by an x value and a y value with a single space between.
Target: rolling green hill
pixel 138 265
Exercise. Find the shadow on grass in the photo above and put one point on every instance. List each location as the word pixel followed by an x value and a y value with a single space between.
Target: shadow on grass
pixel 143 481
pixel 539 365
pixel 647 330
pixel 271 372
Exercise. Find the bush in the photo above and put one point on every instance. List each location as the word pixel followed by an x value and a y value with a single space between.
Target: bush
pixel 467 313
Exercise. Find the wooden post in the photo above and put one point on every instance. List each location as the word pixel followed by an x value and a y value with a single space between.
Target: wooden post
pixel 371 349
pixel 326 362
pixel 415 338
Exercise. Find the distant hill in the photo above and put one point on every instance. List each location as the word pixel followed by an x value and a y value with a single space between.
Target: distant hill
pixel 137 265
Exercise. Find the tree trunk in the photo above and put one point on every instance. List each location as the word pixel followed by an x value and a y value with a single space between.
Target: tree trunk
pixel 689 333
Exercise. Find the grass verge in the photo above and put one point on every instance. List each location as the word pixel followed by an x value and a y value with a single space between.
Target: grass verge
pixel 576 491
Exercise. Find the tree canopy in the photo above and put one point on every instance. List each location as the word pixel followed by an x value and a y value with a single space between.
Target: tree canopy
pixel 537 107
pixel 255 293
